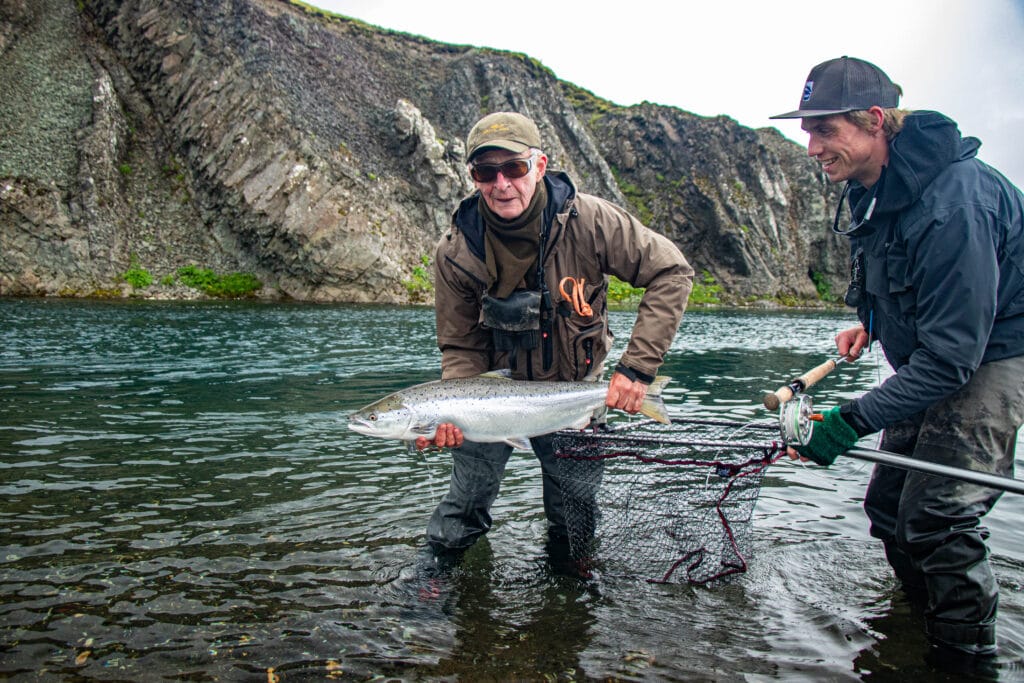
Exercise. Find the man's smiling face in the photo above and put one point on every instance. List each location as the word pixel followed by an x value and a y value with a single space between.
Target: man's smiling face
pixel 845 150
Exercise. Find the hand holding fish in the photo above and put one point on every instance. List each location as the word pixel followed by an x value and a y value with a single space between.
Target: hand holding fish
pixel 447 436
pixel 625 394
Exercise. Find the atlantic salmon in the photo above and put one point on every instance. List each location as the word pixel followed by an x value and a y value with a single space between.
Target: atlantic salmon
pixel 491 408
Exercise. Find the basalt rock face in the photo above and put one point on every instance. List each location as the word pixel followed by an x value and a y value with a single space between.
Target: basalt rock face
pixel 325 156
pixel 746 206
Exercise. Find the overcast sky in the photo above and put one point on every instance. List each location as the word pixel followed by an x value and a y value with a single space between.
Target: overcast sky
pixel 748 59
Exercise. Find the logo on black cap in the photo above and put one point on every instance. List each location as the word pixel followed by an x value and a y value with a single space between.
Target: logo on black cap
pixel 842 85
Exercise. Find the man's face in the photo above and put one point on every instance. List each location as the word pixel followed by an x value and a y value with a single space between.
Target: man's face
pixel 509 197
pixel 846 151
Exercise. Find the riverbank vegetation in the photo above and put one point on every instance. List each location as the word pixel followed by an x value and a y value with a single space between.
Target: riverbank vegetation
pixel 205 280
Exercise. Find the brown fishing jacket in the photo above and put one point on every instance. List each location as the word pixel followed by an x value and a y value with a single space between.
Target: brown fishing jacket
pixel 587 238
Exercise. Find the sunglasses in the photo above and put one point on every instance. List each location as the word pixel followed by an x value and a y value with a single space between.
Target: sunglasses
pixel 856 224
pixel 516 168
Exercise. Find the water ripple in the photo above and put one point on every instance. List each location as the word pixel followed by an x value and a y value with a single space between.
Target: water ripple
pixel 181 498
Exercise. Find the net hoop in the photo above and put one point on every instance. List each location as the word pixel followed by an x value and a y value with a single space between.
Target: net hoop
pixel 648 499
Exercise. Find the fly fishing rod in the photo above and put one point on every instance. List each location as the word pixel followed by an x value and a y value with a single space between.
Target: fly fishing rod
pixel 774 399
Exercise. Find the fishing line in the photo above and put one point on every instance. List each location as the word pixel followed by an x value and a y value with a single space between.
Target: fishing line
pixel 430 473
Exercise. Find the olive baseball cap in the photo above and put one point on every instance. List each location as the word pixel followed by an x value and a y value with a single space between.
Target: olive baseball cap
pixel 841 85
pixel 503 130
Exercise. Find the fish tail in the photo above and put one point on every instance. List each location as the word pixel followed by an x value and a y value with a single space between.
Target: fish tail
pixel 653 405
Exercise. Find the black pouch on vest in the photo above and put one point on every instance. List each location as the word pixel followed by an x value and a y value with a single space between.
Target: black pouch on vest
pixel 514 321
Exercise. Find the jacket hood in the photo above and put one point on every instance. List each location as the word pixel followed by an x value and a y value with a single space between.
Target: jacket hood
pixel 928 143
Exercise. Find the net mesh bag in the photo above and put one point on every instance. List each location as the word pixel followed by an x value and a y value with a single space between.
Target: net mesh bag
pixel 665 503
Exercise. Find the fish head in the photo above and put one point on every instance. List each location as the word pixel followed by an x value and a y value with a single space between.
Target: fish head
pixel 388 418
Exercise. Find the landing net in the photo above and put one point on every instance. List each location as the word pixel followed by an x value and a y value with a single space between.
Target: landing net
pixel 666 503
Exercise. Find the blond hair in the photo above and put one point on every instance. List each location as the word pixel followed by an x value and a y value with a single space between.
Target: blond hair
pixel 892 121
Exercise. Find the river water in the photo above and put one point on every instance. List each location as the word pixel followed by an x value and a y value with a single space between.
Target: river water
pixel 180 498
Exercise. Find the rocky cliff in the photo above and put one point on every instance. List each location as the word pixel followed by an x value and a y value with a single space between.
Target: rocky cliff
pixel 325 156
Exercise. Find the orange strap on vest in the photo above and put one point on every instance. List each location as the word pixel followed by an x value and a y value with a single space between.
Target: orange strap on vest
pixel 575 296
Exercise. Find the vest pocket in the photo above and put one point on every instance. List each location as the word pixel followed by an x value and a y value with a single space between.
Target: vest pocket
pixel 900 287
pixel 585 346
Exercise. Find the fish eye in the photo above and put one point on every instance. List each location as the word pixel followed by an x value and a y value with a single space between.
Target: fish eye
pixel 373 417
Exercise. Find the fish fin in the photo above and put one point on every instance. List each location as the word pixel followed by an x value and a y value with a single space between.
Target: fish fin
pixel 497 374
pixel 428 429
pixel 582 423
pixel 658 385
pixel 522 443
pixel 653 406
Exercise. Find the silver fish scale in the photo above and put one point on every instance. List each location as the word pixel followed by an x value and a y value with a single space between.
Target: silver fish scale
pixel 492 409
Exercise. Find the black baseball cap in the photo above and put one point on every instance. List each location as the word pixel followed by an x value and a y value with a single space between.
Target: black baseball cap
pixel 842 85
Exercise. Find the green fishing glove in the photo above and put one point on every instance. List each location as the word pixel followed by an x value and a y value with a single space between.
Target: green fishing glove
pixel 830 438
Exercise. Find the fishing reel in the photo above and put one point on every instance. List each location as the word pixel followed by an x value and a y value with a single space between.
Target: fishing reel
pixel 796 412
pixel 796 423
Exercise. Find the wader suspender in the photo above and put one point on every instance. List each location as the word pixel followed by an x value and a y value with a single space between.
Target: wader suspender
pixel 546 307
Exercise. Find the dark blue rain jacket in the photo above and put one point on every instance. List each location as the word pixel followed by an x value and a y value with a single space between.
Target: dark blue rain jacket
pixel 943 266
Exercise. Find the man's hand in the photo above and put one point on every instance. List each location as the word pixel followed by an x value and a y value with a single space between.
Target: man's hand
pixel 851 342
pixel 625 394
pixel 831 437
pixel 446 436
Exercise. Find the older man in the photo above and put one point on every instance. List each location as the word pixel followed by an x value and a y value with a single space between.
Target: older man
pixel 937 276
pixel 499 277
